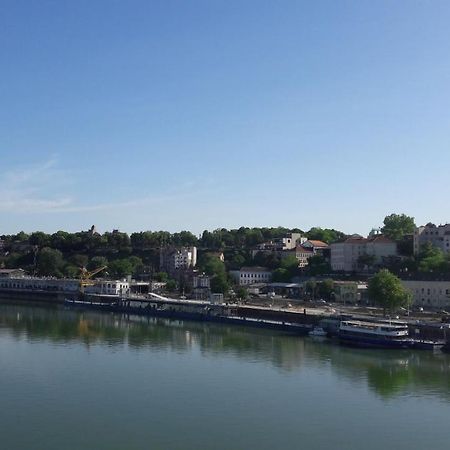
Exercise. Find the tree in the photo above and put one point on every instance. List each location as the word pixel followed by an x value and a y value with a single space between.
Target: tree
pixel 50 262
pixel 281 275
pixel 397 225
pixel 163 277
pixel 39 238
pixel 327 235
pixel 216 269
pixel 310 288
pixel 171 285
pixel 432 259
pixel 325 288
pixel 387 291
pixel 366 260
pixel 96 262
pixel 318 265
pixel 242 293
pixel 120 268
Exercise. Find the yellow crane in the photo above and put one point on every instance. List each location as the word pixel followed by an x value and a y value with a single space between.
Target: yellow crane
pixel 85 277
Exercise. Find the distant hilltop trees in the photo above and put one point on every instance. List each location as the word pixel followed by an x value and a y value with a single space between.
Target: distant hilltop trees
pixel 61 254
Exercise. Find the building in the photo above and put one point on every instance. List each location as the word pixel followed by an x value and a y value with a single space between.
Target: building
pixel 303 254
pixel 172 260
pixel 250 275
pixel 310 248
pixel 288 242
pixel 108 287
pixel 12 273
pixel 429 293
pixel 40 284
pixel 350 292
pixel 63 285
pixel 349 256
pixel 201 286
pixel 318 247
pixel 438 236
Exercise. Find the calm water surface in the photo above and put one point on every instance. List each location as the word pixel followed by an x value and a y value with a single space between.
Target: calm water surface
pixel 72 380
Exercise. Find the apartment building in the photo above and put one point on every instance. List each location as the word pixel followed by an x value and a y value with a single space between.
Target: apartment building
pixel 438 236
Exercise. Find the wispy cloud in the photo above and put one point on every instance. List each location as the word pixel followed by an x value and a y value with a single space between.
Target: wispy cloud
pixel 40 189
pixel 32 188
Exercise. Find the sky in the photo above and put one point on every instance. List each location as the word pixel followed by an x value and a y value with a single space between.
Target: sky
pixel 198 114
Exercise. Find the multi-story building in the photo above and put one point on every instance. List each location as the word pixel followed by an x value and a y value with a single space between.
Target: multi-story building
pixel 431 293
pixel 250 275
pixel 310 248
pixel 173 259
pixel 201 286
pixel 347 256
pixel 438 236
pixel 303 254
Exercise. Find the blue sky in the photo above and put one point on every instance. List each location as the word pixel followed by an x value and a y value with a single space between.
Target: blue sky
pixel 146 115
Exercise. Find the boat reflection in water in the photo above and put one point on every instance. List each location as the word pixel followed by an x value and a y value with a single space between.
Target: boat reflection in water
pixel 387 373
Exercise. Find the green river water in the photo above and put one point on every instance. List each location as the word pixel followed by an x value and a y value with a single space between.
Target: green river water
pixel 86 380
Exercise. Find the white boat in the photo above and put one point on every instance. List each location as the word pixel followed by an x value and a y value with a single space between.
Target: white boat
pixel 375 334
pixel 318 332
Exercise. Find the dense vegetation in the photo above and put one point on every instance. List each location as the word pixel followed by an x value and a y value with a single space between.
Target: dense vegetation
pixel 61 254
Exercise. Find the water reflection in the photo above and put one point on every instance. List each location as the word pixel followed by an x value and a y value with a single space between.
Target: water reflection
pixel 387 373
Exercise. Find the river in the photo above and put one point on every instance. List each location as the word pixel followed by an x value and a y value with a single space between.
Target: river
pixel 86 380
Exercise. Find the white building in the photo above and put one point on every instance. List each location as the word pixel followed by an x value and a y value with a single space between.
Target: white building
pixel 172 259
pixel 40 284
pixel 345 256
pixel 434 293
pixel 250 275
pixel 108 287
pixel 69 285
pixel 438 236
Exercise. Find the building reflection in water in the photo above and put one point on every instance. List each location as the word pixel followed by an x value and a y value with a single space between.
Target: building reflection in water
pixel 387 373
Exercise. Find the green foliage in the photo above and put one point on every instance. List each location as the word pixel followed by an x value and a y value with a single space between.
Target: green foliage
pixel 96 262
pixel 433 259
pixel 387 291
pixel 318 265
pixel 281 275
pixel 242 293
pixel 325 288
pixel 120 268
pixel 162 277
pixel 269 260
pixel 79 260
pixel 237 261
pixel 327 235
pixel 216 269
pixel 397 225
pixel 171 285
pixel 71 271
pixel 39 238
pixel 50 262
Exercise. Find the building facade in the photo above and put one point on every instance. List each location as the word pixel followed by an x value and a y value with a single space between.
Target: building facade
pixel 250 275
pixel 429 293
pixel 438 236
pixel 173 259
pixel 347 256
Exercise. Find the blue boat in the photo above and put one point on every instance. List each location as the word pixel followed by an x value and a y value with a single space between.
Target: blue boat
pixel 375 334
